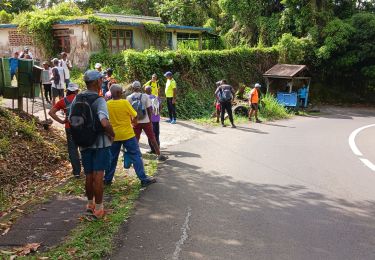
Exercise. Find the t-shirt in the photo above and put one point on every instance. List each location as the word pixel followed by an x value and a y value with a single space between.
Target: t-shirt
pixel 169 87
pixel 154 118
pixel 23 55
pixel 146 102
pixel 13 64
pixel 154 87
pixel 254 97
pixel 121 112
pixel 61 83
pixel 46 76
pixel 60 105
pixel 100 106
pixel 64 64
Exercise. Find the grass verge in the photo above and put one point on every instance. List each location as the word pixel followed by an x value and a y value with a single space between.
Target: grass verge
pixel 94 239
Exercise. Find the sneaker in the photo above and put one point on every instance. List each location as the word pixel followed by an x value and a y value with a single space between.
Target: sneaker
pixel 173 122
pixel 233 126
pixel 149 181
pixel 99 214
pixel 77 176
pixel 162 158
pixel 223 125
pixel 168 120
pixel 90 208
pixel 258 121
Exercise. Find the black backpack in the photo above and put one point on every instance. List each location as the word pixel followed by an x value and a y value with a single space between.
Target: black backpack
pixel 56 76
pixel 225 95
pixel 84 122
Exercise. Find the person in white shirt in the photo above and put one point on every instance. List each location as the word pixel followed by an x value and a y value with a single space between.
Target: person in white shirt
pixel 26 54
pixel 67 66
pixel 46 81
pixel 58 81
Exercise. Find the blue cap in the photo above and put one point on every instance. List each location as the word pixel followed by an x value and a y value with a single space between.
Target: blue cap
pixel 92 75
pixel 168 74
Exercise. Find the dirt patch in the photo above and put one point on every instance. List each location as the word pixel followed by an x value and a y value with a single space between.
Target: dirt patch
pixel 32 160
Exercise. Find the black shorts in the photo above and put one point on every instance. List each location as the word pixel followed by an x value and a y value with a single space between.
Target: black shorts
pixel 254 106
pixel 57 92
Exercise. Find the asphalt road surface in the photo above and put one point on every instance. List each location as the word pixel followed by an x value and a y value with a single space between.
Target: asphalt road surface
pixel 290 189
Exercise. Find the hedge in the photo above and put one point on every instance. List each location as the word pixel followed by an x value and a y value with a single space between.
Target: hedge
pixel 194 71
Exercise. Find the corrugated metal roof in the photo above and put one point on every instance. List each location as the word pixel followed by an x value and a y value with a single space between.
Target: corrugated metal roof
pixel 284 70
pixel 129 18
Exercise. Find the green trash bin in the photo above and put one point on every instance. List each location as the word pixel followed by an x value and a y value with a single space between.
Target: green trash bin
pixel 25 65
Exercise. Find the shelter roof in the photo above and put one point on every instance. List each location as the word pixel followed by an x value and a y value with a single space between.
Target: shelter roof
pixel 285 71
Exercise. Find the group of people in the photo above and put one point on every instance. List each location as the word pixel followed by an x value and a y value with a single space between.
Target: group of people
pixel 224 96
pixel 100 123
pixel 13 61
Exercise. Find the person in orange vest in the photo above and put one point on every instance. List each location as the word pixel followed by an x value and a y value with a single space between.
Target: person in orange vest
pixel 254 102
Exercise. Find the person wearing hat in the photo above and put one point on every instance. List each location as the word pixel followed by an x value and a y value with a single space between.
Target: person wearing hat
pixel 144 122
pixel 67 66
pixel 96 158
pixel 154 84
pixel 122 116
pixel 46 81
pixel 26 54
pixel 170 94
pixel 58 81
pixel 254 102
pixel 64 105
pixel 13 65
pixel 108 80
pixel 98 67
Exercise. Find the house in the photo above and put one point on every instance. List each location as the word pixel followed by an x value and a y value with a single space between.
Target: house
pixel 79 38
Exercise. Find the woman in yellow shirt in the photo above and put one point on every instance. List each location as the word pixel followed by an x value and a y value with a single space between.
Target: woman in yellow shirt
pixel 154 84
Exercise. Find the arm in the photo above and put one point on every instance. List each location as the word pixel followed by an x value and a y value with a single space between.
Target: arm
pixel 108 130
pixel 52 114
pixel 69 65
pixel 149 112
pixel 174 96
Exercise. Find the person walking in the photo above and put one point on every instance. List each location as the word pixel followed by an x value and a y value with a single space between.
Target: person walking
pixel 254 103
pixel 13 65
pixel 143 106
pixel 93 133
pixel 64 104
pixel 122 116
pixel 67 66
pixel 225 94
pixel 154 84
pixel 46 81
pixel 155 116
pixel 217 104
pixel 170 94
pixel 58 81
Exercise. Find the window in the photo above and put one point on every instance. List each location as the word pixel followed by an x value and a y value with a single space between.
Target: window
pixel 62 39
pixel 169 40
pixel 121 40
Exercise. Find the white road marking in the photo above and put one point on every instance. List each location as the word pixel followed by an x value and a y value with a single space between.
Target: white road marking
pixel 184 235
pixel 368 164
pixel 355 149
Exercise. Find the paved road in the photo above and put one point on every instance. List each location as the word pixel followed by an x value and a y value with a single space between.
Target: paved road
pixel 284 190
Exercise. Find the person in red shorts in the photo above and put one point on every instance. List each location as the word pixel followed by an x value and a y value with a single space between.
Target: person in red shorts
pixel 64 105
pixel 144 121
pixel 217 104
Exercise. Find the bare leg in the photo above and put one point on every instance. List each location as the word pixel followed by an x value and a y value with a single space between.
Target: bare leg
pixel 89 186
pixel 98 186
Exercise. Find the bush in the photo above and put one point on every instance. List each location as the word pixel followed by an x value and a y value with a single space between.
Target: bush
pixel 194 71
pixel 272 109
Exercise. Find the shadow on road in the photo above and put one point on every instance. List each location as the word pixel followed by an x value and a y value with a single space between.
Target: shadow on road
pixel 251 130
pixel 195 128
pixel 231 219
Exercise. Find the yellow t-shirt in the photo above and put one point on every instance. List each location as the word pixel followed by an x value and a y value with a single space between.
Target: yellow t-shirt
pixel 120 114
pixel 154 87
pixel 169 87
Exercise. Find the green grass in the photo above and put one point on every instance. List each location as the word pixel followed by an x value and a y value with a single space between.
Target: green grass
pixel 94 239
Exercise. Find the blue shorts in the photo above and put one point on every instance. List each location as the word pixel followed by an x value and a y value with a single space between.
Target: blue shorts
pixel 96 159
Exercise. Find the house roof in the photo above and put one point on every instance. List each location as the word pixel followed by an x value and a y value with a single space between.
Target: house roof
pixel 284 71
pixel 7 26
pixel 129 18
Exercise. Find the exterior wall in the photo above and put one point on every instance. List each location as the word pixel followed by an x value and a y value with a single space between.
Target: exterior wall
pixel 80 45
pixel 7 49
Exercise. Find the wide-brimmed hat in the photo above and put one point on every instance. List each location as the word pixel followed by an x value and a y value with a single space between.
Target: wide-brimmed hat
pixel 72 87
pixel 92 75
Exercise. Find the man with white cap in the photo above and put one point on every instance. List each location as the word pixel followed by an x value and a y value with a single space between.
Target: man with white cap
pixel 67 66
pixel 143 106
pixel 98 67
pixel 253 102
pixel 64 105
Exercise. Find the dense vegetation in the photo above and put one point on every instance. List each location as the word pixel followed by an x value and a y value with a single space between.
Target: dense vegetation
pixel 195 71
pixel 336 38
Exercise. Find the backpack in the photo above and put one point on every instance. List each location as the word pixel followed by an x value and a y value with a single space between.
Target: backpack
pixel 138 107
pixel 225 95
pixel 56 76
pixel 84 123
pixel 155 104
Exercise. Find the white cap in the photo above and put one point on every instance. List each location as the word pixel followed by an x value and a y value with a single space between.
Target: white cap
pixel 98 65
pixel 257 85
pixel 136 84
pixel 72 87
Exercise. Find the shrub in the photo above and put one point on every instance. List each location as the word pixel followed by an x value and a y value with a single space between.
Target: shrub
pixel 272 109
pixel 194 71
pixel 4 146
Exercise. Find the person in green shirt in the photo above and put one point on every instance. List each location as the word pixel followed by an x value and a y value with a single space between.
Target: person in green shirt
pixel 154 84
pixel 170 94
